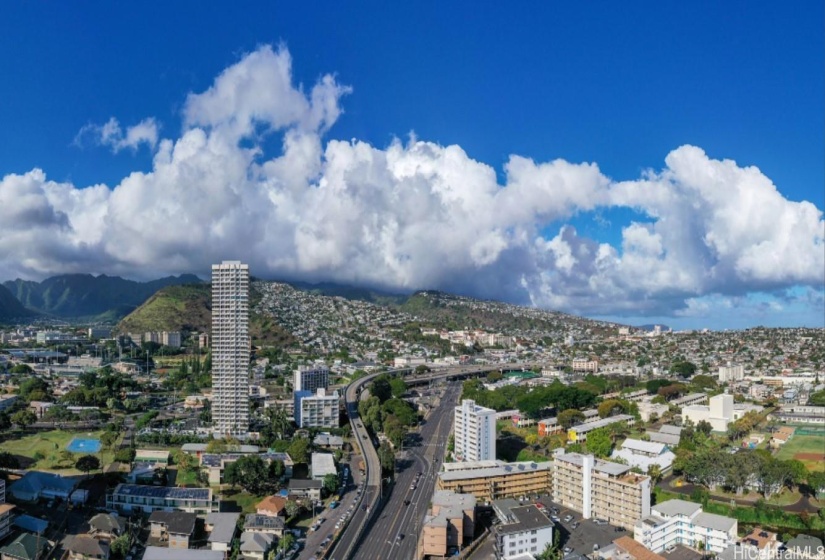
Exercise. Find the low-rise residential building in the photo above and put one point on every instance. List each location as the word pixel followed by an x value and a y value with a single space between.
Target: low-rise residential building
pixel 450 523
pixel 600 489
pixel 163 553
pixel 256 546
pixel 579 433
pixel 643 454
pixel 760 544
pixel 107 526
pixel 132 498
pixel 222 528
pixel 805 547
pixel 650 410
pixel 272 506
pixel 322 464
pixel 255 523
pixel 86 547
pixel 625 548
pixel 549 427
pixel 328 440
pixel 305 488
pixel 176 528
pixel 493 480
pixel 680 522
pixel 25 547
pixel 522 530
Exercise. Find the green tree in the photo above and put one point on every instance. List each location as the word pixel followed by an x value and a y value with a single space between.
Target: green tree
pixel 599 442
pixel 331 483
pixel 654 471
pixel 293 508
pixel 684 369
pixel 609 408
pixel 386 456
pixel 380 388
pixel 87 464
pixel 108 439
pixel 276 469
pixel 120 546
pixel 397 387
pixel 8 461
pixel 24 418
pixel 286 542
pixel 299 450
pixel 249 472
pixel 570 417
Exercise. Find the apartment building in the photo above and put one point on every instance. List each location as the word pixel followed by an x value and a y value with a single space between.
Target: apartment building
pixel 230 348
pixel 449 524
pixel 494 480
pixel 579 432
pixel 310 378
pixel 601 489
pixel 718 413
pixel 679 522
pixel 523 531
pixel 5 512
pixel 133 498
pixel 585 365
pixel 731 373
pixel 171 339
pixel 319 410
pixel 475 432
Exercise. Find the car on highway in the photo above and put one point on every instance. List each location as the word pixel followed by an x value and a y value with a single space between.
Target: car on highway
pixel 406 502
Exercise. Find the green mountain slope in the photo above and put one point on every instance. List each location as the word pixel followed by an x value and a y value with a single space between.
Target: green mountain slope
pixel 10 308
pixel 84 295
pixel 189 308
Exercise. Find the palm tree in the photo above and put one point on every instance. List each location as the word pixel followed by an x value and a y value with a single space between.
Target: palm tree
pixel 654 471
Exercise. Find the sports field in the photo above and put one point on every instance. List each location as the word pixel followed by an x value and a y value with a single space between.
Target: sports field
pixel 808 449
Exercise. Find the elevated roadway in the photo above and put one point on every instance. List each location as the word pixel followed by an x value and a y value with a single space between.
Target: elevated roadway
pixel 369 504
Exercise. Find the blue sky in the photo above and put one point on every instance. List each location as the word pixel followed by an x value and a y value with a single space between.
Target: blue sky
pixel 621 86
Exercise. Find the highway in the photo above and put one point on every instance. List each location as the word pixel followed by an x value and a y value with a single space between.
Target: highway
pixel 368 505
pixel 399 524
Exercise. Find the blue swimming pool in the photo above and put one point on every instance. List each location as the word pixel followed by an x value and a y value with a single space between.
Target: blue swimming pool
pixel 83 445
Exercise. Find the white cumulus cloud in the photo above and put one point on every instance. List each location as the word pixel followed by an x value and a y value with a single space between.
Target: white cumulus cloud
pixel 112 135
pixel 409 215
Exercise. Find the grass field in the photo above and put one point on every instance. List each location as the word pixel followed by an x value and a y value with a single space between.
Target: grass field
pixel 812 445
pixel 47 450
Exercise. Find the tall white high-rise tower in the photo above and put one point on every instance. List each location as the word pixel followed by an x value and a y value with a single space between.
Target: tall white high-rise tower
pixel 230 348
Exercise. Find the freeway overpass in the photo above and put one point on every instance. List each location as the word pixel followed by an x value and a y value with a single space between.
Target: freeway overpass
pixel 370 503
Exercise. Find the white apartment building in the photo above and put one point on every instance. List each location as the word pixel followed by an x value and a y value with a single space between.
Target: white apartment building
pixel 524 531
pixel 170 339
pixel 319 410
pixel 584 364
pixel 230 348
pixel 475 432
pixel 731 373
pixel 600 489
pixel 679 522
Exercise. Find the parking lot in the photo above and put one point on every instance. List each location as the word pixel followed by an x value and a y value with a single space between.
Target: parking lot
pixel 578 536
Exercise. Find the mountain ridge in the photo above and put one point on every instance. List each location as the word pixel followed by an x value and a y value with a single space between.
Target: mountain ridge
pixel 80 296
